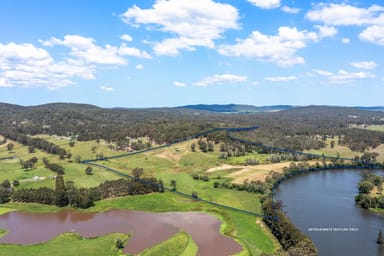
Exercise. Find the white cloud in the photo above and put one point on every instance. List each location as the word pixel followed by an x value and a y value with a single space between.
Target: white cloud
pixel 364 64
pixel 85 49
pixel 346 15
pixel 139 66
pixel 280 78
pixel 326 31
pixel 265 4
pixel 323 72
pixel 372 18
pixel 288 9
pixel 179 84
pixel 24 65
pixel 345 77
pixel 221 79
pixel 124 50
pixel 280 49
pixel 373 34
pixel 126 37
pixel 345 40
pixel 191 23
pixel 106 88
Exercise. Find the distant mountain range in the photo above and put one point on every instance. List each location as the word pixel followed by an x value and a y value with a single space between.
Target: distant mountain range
pixel 376 108
pixel 238 108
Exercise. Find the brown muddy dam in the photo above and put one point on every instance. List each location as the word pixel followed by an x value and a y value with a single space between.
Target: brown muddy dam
pixel 146 228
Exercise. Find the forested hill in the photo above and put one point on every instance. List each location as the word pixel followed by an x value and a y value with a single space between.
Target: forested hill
pixel 170 124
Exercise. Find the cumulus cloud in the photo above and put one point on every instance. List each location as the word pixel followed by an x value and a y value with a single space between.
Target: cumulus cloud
pixel 280 49
pixel 221 79
pixel 280 78
pixel 265 4
pixel 139 66
pixel 372 18
pixel 326 31
pixel 187 22
pixel 288 9
pixel 85 49
pixel 179 84
pixel 344 77
pixel 346 15
pixel 24 65
pixel 345 40
pixel 373 34
pixel 126 37
pixel 106 88
pixel 364 64
pixel 124 50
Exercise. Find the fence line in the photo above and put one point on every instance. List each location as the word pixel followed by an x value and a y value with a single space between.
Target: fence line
pixel 174 191
pixel 231 129
pixel 228 129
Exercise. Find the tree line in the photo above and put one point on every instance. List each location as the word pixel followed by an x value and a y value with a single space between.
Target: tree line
pixel 32 143
pixel 66 193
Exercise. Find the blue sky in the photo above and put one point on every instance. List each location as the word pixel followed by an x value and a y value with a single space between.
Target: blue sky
pixel 142 53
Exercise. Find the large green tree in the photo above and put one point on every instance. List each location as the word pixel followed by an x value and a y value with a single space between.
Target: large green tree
pixel 61 198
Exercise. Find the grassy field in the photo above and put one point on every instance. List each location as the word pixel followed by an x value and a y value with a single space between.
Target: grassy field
pixel 11 169
pixel 68 244
pixel 343 151
pixel 180 244
pixel 175 162
pixel 379 128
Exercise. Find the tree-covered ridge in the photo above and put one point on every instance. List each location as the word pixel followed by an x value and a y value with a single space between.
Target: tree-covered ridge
pixel 295 128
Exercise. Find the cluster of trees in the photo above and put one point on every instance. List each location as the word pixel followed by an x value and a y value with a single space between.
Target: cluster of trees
pixel 28 164
pixel 252 186
pixel 5 191
pixel 68 194
pixel 360 140
pixel 32 143
pixel 365 198
pixel 41 195
pixel 290 238
pixel 200 177
pixel 281 157
pixel 123 187
pixel 367 158
pixel 232 149
pixel 53 167
pixel 204 146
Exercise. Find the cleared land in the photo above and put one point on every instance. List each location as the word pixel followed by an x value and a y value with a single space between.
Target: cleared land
pixel 176 162
pixel 344 151
pixel 379 128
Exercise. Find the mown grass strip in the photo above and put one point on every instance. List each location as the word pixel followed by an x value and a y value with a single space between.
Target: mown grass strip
pixel 174 246
pixel 68 244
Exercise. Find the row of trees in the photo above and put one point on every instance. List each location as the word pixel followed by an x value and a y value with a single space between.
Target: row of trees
pixel 258 187
pixel 32 143
pixel 57 168
pixel 68 194
pixel 290 238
